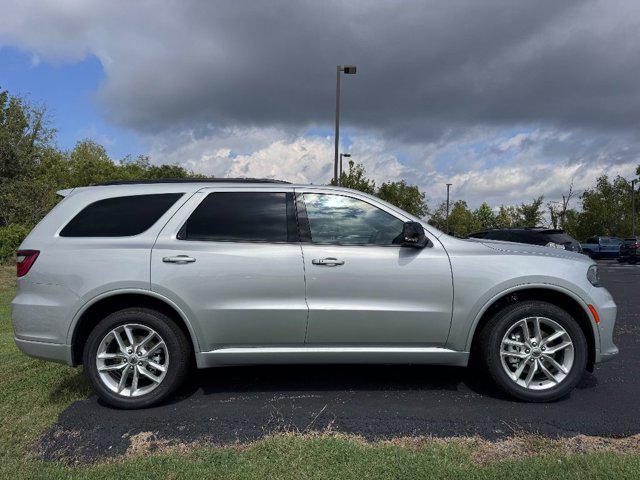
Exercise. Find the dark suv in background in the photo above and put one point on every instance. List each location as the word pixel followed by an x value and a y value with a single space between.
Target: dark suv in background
pixel 630 251
pixel 548 237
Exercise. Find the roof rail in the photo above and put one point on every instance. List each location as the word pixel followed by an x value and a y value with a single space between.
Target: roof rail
pixel 189 180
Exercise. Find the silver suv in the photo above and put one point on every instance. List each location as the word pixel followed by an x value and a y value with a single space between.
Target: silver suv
pixel 138 281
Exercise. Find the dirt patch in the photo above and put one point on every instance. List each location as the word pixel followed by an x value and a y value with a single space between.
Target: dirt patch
pixel 481 451
pixel 484 451
pixel 517 447
pixel 145 443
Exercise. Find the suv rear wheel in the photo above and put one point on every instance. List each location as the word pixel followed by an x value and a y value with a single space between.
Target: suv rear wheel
pixel 136 357
pixel 534 351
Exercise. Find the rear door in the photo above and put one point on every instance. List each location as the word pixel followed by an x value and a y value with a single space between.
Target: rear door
pixel 231 259
pixel 363 288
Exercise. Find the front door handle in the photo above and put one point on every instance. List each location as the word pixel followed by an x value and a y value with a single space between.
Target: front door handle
pixel 179 259
pixel 327 262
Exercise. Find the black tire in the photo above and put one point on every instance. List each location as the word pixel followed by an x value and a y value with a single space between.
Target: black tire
pixel 177 345
pixel 490 346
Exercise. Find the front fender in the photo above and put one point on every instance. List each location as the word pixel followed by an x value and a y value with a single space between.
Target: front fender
pixel 527 286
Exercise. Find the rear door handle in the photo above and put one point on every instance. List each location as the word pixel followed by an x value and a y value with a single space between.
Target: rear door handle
pixel 180 259
pixel 327 262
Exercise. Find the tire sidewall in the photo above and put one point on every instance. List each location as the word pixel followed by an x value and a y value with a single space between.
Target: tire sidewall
pixel 173 337
pixel 505 320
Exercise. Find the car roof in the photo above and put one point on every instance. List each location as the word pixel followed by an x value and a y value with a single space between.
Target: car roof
pixel 126 188
pixel 173 185
pixel 523 229
pixel 190 180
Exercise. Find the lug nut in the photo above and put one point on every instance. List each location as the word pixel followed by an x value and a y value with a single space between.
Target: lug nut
pixel 533 344
pixel 543 348
pixel 532 360
pixel 526 350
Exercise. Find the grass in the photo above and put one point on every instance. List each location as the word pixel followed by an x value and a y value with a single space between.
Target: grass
pixel 33 393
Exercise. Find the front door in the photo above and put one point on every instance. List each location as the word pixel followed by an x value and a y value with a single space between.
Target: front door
pixel 363 288
pixel 231 259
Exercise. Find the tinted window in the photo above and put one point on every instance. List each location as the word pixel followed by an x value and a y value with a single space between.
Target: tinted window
pixel 243 216
pixel 591 240
pixel 347 221
pixel 497 235
pixel 533 238
pixel 119 216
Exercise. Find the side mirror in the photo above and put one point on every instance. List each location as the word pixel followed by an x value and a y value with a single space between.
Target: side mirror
pixel 413 235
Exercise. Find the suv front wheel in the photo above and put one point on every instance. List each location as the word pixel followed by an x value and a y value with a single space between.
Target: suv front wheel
pixel 136 357
pixel 535 351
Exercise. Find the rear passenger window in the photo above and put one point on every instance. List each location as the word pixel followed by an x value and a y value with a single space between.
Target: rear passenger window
pixel 243 217
pixel 120 216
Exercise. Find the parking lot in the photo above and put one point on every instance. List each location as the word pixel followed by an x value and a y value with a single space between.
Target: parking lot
pixel 222 406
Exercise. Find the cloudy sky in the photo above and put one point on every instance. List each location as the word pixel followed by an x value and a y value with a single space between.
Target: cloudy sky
pixel 504 99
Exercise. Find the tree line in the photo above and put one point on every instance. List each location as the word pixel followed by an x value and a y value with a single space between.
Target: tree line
pixel 33 168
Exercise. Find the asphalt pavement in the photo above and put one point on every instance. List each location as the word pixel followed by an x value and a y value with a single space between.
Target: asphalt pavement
pixel 228 405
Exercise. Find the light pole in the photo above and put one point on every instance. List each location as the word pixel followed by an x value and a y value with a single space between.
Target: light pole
pixel 350 70
pixel 448 187
pixel 348 155
pixel 633 207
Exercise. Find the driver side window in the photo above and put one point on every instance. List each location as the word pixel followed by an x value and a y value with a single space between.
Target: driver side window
pixel 341 220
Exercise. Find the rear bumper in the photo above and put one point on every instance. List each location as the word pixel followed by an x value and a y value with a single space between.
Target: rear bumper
pixel 55 352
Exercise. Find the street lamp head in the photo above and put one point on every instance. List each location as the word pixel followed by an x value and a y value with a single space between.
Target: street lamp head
pixel 346 155
pixel 349 70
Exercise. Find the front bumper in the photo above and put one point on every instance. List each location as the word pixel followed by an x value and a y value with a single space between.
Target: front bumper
pixel 55 352
pixel 607 311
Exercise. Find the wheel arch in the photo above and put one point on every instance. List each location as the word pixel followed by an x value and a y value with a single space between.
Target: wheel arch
pixel 550 294
pixel 102 305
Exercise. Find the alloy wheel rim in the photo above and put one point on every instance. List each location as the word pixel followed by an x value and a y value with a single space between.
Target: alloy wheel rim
pixel 537 353
pixel 132 360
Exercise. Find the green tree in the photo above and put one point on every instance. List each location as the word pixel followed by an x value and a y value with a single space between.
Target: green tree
pixel 400 194
pixel 407 197
pixel 439 217
pixel 530 214
pixel 23 135
pixel 483 217
pixel 356 179
pixel 606 209
pixel 461 219
pixel 507 217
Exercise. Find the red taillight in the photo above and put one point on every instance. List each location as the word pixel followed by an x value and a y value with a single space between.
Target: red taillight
pixel 635 245
pixel 25 260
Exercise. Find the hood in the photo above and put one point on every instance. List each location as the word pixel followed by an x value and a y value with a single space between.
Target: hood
pixel 528 249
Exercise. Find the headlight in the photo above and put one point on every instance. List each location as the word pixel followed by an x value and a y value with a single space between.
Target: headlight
pixel 555 245
pixel 592 276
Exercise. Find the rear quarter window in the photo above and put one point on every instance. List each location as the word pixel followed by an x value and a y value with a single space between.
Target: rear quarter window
pixel 119 216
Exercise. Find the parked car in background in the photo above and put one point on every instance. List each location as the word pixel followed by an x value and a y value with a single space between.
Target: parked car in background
pixel 137 281
pixel 630 251
pixel 547 237
pixel 602 247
